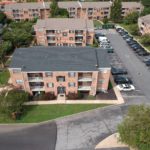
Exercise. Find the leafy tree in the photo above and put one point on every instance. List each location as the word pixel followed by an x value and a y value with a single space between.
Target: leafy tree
pixel 7 46
pixel 105 20
pixel 145 39
pixel 146 11
pixel 2 17
pixel 12 101
pixel 116 10
pixel 56 11
pixel 134 29
pixel 19 33
pixel 2 56
pixel 135 128
pixel 131 18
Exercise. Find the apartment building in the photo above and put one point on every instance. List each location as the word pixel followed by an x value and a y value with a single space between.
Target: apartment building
pixel 129 7
pixel 60 70
pixel 76 9
pixel 87 10
pixel 27 11
pixel 64 32
pixel 144 24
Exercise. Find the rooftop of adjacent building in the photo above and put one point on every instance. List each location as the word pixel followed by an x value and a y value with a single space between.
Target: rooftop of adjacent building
pixel 66 4
pixel 60 59
pixel 146 19
pixel 64 23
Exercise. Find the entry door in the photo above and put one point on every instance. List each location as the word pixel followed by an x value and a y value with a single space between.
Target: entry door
pixel 61 90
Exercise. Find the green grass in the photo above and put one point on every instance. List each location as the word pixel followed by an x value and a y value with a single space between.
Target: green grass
pixel 40 113
pixel 4 76
pixel 97 23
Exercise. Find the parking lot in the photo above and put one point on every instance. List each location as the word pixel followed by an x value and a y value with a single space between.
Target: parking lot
pixel 138 72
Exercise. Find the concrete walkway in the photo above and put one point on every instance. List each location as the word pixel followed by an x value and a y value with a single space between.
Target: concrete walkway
pixel 111 142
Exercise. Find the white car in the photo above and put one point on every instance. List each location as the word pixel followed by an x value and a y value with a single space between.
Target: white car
pixel 125 87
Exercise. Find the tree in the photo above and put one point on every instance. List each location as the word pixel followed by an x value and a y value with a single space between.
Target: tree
pixel 131 18
pixel 2 56
pixel 2 17
pixel 56 11
pixel 146 11
pixel 12 101
pixel 116 10
pixel 135 128
pixel 134 29
pixel 19 33
pixel 6 46
pixel 105 20
pixel 145 39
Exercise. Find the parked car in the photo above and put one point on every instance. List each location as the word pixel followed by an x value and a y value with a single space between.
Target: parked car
pixel 143 53
pixel 118 71
pixel 147 63
pixel 126 87
pixel 122 80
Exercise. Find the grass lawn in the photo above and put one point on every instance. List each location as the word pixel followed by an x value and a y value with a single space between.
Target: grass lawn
pixel 97 23
pixel 4 76
pixel 40 113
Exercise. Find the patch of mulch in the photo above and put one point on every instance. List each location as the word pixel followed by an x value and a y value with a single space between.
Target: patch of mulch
pixel 110 95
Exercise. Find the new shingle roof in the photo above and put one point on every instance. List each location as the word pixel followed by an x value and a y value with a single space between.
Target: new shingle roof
pixel 59 59
pixel 64 23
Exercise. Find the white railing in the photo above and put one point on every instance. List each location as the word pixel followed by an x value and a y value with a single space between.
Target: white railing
pixel 84 79
pixel 35 79
pixel 37 88
pixel 84 88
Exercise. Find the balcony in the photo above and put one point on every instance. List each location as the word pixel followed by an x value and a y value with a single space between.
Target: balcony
pixel 51 34
pixel 35 79
pixel 84 88
pixel 79 34
pixel 85 79
pixel 37 88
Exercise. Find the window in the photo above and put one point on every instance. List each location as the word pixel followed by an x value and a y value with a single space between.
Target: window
pixel 48 74
pixel 71 84
pixel 65 34
pixel 16 70
pixel 60 79
pixel 71 38
pixel 19 81
pixel 71 31
pixel 50 85
pixel 71 74
pixel 101 81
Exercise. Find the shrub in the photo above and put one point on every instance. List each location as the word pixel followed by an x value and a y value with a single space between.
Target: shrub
pixel 91 97
pixel 72 96
pixel 145 39
pixel 49 96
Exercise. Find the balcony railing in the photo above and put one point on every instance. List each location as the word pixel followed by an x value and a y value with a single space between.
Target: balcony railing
pixel 79 34
pixel 37 88
pixel 84 88
pixel 35 79
pixel 85 79
pixel 78 41
pixel 51 34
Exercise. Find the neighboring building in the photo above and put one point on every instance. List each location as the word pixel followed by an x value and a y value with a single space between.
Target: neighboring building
pixel 27 11
pixel 76 9
pixel 64 32
pixel 60 70
pixel 87 10
pixel 129 7
pixel 144 24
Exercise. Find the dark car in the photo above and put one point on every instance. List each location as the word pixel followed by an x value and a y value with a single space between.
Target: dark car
pixel 122 80
pixel 143 53
pixel 118 71
pixel 147 63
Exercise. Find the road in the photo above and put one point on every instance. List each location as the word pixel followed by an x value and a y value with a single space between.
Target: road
pixel 26 137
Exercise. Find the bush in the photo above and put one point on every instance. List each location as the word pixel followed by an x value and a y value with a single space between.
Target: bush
pixel 135 128
pixel 72 96
pixel 134 29
pixel 49 96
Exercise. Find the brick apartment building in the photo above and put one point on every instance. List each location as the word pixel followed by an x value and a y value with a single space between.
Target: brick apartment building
pixel 27 11
pixel 60 70
pixel 64 32
pixel 76 9
pixel 144 24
